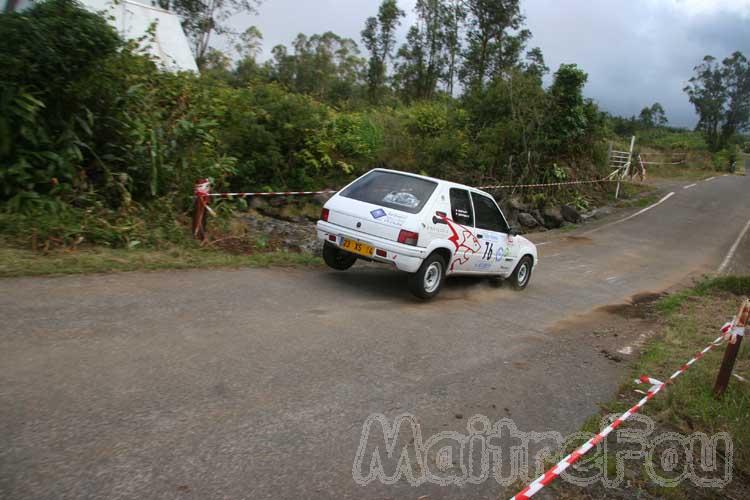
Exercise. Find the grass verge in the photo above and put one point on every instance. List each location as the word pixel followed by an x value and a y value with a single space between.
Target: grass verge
pixel 19 262
pixel 637 196
pixel 682 172
pixel 693 319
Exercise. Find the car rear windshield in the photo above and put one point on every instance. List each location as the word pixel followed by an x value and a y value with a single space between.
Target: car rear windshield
pixel 388 189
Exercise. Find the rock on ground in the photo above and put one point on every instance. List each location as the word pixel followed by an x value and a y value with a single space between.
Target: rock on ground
pixel 570 214
pixel 552 218
pixel 527 220
pixel 299 236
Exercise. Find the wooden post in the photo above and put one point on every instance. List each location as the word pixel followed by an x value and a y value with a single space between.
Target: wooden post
pixel 201 191
pixel 199 219
pixel 733 348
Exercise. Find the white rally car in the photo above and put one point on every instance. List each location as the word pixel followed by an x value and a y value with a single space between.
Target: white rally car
pixel 427 227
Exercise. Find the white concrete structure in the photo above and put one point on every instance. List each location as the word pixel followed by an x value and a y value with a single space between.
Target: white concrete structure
pixel 132 20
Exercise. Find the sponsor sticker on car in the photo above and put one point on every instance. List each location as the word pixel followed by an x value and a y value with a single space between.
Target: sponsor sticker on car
pixel 378 214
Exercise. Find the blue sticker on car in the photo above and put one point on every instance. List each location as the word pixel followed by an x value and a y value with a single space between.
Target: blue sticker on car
pixel 377 214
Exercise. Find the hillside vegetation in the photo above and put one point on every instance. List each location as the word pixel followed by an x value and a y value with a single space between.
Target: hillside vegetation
pixel 99 146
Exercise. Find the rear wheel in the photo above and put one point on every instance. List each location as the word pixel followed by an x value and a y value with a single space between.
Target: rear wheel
pixel 522 274
pixel 428 280
pixel 336 258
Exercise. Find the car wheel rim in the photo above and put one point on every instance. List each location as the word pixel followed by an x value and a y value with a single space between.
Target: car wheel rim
pixel 432 277
pixel 523 274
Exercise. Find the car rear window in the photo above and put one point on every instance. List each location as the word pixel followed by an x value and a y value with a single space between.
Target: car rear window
pixel 388 189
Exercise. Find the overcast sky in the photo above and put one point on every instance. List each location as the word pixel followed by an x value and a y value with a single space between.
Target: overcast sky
pixel 636 52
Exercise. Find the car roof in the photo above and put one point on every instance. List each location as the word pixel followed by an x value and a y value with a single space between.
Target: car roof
pixel 434 179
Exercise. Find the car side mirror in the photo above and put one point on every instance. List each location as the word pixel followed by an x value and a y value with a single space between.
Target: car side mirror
pixel 513 231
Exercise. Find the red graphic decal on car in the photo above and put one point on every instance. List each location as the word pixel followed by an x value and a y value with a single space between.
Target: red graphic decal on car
pixel 465 242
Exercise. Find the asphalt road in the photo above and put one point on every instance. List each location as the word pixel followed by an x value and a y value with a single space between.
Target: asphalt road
pixel 255 383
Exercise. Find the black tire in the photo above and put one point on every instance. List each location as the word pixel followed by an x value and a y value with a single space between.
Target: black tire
pixel 424 286
pixel 336 258
pixel 521 277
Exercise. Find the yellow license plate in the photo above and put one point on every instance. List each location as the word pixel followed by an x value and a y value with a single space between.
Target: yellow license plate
pixel 357 247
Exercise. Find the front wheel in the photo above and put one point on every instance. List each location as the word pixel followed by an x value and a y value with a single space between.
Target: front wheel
pixel 522 274
pixel 336 258
pixel 428 280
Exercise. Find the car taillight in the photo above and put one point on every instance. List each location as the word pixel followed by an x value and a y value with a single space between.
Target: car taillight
pixel 324 214
pixel 408 237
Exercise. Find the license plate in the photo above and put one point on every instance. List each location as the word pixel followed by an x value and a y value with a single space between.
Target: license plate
pixel 357 247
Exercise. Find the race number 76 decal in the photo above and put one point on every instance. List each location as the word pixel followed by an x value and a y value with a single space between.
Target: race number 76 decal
pixel 488 251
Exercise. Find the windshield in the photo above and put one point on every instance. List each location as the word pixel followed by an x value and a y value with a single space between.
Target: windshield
pixel 388 189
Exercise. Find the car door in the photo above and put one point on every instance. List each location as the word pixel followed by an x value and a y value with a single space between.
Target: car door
pixel 461 225
pixel 495 255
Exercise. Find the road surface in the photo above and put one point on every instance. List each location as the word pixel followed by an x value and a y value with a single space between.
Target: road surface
pixel 255 383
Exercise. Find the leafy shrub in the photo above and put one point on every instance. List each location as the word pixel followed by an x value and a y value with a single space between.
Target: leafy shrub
pixel 356 136
pixel 46 118
pixel 41 225
pixel 724 159
pixel 428 119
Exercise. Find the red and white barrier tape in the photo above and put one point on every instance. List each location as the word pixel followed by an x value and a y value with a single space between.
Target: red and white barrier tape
pixel 731 331
pixel 727 330
pixel 548 184
pixel 204 187
pixel 279 193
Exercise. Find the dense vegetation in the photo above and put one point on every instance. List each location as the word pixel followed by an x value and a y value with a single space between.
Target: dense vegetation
pixel 98 145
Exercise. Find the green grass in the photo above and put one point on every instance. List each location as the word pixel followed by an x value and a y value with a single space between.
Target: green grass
pixel 737 285
pixel 637 195
pixel 18 262
pixel 640 202
pixel 693 318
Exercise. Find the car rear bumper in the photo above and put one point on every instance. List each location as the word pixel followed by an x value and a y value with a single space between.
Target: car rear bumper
pixel 403 257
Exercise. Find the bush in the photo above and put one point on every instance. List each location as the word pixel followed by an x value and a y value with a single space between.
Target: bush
pixel 46 115
pixel 725 159
pixel 43 226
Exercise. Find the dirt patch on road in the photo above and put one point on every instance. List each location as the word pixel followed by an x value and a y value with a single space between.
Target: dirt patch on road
pixel 616 331
pixel 640 306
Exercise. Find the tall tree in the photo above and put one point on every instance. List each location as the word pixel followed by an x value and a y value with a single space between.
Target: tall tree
pixel 454 23
pixel 653 116
pixel 326 66
pixel 534 65
pixel 411 65
pixel 283 66
pixel 379 38
pixel 721 96
pixel 250 43
pixel 494 40
pixel 568 116
pixel 202 18
pixel 736 74
pixel 422 59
